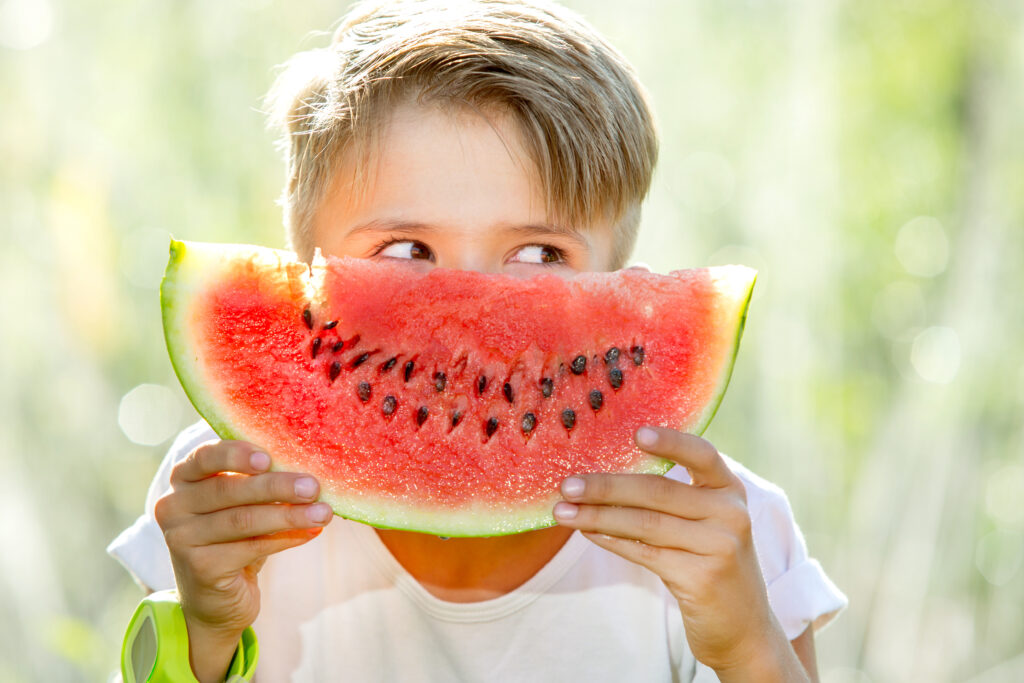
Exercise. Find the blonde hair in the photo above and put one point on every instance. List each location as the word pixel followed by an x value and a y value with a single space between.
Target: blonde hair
pixel 581 111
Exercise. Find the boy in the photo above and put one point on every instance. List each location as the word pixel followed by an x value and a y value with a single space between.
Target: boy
pixel 492 136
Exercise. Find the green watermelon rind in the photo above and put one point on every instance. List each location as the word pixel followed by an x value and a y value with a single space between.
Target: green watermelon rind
pixel 487 519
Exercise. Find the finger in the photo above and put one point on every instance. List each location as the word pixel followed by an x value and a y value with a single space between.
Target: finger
pixel 220 456
pixel 643 491
pixel 248 521
pixel 227 490
pixel 652 557
pixel 638 524
pixel 705 463
pixel 235 555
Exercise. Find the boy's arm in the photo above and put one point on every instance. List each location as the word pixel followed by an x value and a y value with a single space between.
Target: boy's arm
pixel 803 646
pixel 697 538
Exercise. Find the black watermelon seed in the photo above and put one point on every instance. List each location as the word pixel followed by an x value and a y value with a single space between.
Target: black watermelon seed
pixel 338 347
pixel 389 405
pixel 408 370
pixel 440 381
pixel 331 325
pixel 546 387
pixel 388 364
pixel 507 391
pixel 421 415
pixel 492 425
pixel 579 364
pixel 316 346
pixel 596 399
pixel 360 360
pixel 638 355
pixel 615 378
pixel 335 369
pixel 611 357
pixel 456 418
pixel 364 390
pixel 568 418
pixel 529 422
pixel 481 384
pixel 307 317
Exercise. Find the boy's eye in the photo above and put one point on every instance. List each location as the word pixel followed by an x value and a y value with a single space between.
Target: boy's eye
pixel 406 249
pixel 539 253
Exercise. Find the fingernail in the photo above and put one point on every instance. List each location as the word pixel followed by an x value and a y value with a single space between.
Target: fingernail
pixel 259 460
pixel 305 487
pixel 318 513
pixel 565 511
pixel 572 487
pixel 646 437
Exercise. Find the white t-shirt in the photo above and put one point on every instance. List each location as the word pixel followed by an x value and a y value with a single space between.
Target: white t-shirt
pixel 342 608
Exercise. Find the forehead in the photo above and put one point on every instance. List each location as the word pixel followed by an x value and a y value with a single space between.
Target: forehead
pixel 441 165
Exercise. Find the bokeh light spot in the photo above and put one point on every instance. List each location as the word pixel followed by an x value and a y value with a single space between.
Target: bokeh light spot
pixel 922 247
pixel 1004 495
pixel 149 414
pixel 935 354
pixel 25 24
pixel 999 554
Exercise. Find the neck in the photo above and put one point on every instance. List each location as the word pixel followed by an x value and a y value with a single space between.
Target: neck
pixel 473 569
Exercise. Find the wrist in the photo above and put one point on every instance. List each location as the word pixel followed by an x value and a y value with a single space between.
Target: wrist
pixel 211 648
pixel 770 659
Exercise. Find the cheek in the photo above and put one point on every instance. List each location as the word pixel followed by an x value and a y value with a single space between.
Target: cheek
pixel 599 256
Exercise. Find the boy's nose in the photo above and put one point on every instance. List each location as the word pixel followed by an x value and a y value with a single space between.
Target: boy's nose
pixel 470 258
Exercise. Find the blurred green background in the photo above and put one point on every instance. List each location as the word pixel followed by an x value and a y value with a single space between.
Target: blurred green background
pixel 866 155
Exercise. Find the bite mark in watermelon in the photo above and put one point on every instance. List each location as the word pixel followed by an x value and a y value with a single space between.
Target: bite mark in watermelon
pixel 448 402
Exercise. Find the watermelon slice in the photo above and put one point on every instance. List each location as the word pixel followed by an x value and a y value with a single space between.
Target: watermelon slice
pixel 448 402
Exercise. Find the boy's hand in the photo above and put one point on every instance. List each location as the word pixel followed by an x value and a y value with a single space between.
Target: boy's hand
pixel 224 514
pixel 696 537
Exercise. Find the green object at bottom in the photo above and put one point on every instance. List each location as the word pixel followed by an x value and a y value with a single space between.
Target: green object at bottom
pixel 155 647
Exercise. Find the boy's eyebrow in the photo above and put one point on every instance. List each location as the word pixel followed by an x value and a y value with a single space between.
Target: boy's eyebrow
pixel 408 227
pixel 547 230
pixel 392 225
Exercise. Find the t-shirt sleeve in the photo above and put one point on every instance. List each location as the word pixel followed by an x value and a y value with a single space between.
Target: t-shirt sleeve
pixel 141 548
pixel 800 592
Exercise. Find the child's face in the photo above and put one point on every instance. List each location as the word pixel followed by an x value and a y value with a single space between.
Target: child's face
pixel 453 189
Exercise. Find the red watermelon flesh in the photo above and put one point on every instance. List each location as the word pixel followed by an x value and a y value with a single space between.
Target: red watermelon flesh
pixel 368 375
